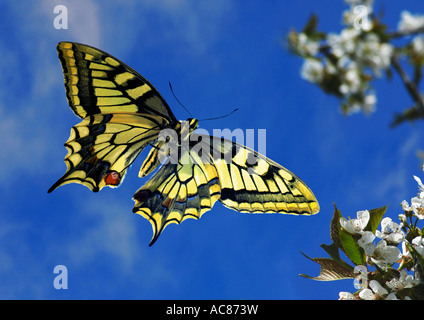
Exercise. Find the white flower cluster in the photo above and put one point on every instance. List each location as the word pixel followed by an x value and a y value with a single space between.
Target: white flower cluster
pixel 377 291
pixel 417 203
pixel 386 252
pixel 351 59
pixel 411 23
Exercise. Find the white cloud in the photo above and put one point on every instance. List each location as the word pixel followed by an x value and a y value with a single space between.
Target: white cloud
pixel 84 24
pixel 83 19
pixel 197 23
pixel 397 181
pixel 112 230
pixel 31 81
pixel 20 269
pixel 23 145
pixel 182 26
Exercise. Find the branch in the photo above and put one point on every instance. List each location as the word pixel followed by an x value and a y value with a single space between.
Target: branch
pixel 398 34
pixel 410 86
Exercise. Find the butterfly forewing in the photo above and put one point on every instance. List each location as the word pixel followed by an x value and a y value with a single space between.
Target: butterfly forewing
pixel 97 82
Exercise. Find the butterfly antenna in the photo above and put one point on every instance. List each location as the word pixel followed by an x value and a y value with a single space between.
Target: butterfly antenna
pixel 170 86
pixel 220 117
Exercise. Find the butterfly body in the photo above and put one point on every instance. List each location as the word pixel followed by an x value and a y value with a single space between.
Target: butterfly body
pixel 122 113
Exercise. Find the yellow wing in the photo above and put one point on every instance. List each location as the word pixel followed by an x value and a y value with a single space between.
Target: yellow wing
pixel 97 82
pixel 178 191
pixel 221 170
pixel 103 146
pixel 250 182
pixel 122 113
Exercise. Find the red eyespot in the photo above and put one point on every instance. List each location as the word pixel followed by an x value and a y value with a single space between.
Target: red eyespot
pixel 112 178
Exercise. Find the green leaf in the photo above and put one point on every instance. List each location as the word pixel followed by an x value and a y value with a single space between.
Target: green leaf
pixel 351 248
pixel 332 250
pixel 411 114
pixel 335 228
pixel 381 30
pixel 375 217
pixel 418 258
pixel 331 270
pixel 311 25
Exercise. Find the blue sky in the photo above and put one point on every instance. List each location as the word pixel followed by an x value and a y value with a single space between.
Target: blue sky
pixel 218 55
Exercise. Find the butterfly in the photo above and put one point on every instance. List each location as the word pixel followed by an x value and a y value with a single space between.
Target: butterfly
pixel 122 113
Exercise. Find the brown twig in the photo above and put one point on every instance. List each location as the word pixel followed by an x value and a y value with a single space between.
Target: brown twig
pixel 398 34
pixel 410 85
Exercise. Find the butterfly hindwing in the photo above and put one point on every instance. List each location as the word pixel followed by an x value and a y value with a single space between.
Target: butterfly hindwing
pixel 105 144
pixel 178 191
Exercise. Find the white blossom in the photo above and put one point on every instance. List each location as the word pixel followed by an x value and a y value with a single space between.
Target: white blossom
pixel 371 52
pixel 370 101
pixel 384 57
pixel 390 231
pixel 391 296
pixel 356 225
pixel 418 243
pixel 367 294
pixel 377 288
pixel 405 252
pixel 409 22
pixel 354 55
pixel 418 45
pixel 312 70
pixel 352 79
pixel 344 43
pixel 402 217
pixel 405 206
pixel 420 186
pixel 405 281
pixel 384 253
pixel 417 203
pixel 366 242
pixel 306 46
pixel 346 296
